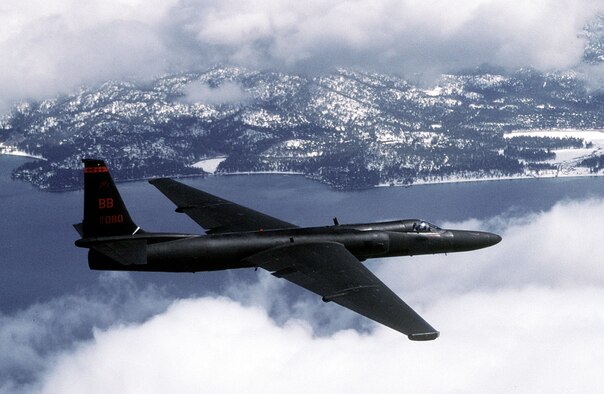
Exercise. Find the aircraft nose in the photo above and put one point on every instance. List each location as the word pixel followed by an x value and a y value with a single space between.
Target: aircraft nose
pixel 470 240
pixel 494 239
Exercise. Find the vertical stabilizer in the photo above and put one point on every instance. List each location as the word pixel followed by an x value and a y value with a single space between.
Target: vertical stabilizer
pixel 104 211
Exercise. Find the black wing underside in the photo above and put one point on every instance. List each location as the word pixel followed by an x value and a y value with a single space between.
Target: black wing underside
pixel 325 268
pixel 331 271
pixel 214 214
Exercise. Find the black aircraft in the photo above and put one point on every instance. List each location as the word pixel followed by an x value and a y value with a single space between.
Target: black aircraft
pixel 325 260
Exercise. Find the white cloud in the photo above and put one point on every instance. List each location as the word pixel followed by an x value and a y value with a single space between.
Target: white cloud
pixel 525 316
pixel 528 340
pixel 53 47
pixel 593 74
pixel 559 248
pixel 227 93
pixel 406 36
pixel 31 338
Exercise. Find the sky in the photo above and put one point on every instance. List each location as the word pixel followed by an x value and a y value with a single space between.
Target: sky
pixel 54 47
pixel 524 316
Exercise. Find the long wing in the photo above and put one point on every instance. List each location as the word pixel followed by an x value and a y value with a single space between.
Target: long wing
pixel 215 214
pixel 331 271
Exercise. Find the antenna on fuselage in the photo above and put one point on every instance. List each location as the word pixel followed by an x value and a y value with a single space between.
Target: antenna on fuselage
pixel 335 221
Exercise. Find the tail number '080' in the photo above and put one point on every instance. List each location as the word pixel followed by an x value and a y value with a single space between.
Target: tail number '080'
pixel 112 219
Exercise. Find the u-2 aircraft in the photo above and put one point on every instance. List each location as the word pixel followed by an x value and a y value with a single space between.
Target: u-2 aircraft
pixel 325 260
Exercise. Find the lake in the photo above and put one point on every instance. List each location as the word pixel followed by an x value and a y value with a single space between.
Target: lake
pixel 39 260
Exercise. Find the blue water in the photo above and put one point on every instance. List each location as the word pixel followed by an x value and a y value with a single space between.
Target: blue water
pixel 39 261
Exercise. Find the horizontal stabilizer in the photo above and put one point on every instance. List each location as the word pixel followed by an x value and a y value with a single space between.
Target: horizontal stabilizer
pixel 79 228
pixel 127 252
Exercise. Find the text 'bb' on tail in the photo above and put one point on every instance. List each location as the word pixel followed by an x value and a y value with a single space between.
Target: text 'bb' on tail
pixel 104 211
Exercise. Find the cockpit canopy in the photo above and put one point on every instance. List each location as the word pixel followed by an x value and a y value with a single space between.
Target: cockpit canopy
pixel 421 226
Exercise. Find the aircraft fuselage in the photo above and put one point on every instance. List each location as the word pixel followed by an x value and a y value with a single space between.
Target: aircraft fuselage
pixel 324 260
pixel 193 253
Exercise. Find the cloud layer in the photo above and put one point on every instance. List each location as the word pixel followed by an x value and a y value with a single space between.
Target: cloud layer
pixel 526 316
pixel 227 93
pixel 560 248
pixel 52 48
pixel 30 339
pixel 522 341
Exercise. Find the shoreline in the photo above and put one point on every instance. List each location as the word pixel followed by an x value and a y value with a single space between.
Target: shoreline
pixel 451 180
pixel 496 179
pixel 419 182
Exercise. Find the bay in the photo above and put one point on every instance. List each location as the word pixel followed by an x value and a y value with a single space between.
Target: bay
pixel 39 260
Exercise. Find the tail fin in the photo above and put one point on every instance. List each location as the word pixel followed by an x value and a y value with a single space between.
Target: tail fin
pixel 104 211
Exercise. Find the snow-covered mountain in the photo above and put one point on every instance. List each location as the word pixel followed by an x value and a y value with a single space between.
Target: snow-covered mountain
pixel 349 128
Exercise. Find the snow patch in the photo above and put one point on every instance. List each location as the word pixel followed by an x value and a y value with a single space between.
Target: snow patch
pixel 13 151
pixel 210 165
pixel 568 156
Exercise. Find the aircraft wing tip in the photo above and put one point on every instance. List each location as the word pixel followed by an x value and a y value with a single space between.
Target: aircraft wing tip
pixel 425 336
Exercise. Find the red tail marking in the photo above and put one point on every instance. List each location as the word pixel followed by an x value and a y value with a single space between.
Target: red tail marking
pixel 95 170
